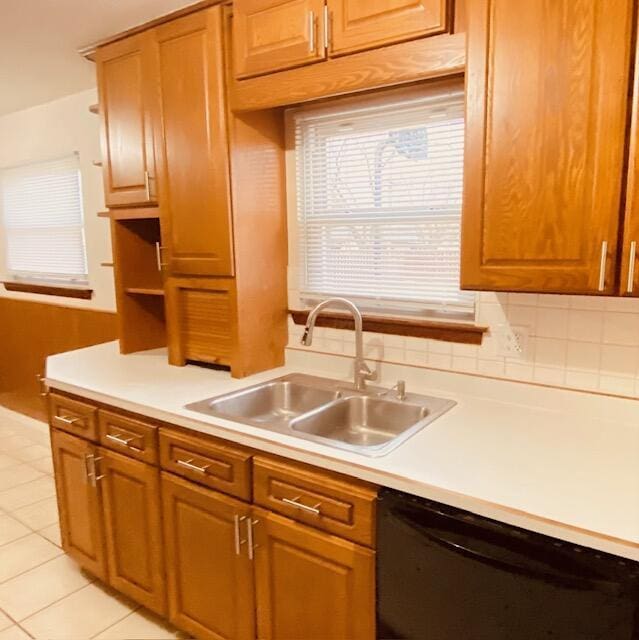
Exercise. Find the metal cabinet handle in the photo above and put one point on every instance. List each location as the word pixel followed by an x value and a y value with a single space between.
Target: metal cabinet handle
pixel 602 265
pixel 236 533
pixel 147 185
pixel 43 387
pixel 125 442
pixel 188 464
pixel 311 33
pixel 294 502
pixel 250 523
pixel 96 477
pixel 327 25
pixel 68 420
pixel 631 266
pixel 89 469
pixel 158 256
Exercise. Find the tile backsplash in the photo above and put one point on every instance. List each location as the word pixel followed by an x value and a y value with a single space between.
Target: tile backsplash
pixel 578 342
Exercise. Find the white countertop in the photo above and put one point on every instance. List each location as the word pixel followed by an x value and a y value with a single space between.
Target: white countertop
pixel 558 462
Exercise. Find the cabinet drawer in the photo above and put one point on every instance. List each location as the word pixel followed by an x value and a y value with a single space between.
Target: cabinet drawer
pixel 79 418
pixel 219 466
pixel 316 498
pixel 129 436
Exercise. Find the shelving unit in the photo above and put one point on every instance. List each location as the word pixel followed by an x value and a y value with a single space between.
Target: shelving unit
pixel 139 280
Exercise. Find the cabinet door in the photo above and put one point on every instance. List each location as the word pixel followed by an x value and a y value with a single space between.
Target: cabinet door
pixel 545 126
pixel 311 585
pixel 125 73
pixel 210 576
pixel 79 502
pixel 272 35
pixel 133 525
pixel 629 282
pixel 192 149
pixel 357 25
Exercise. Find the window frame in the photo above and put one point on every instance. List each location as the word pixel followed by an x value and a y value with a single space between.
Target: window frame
pixel 392 319
pixel 30 282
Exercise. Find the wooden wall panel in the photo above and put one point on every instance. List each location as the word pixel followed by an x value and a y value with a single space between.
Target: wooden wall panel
pixel 31 331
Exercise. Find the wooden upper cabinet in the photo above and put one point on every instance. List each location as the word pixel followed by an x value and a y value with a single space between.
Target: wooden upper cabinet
pixel 133 526
pixel 547 85
pixel 629 281
pixel 311 585
pixel 191 145
pixel 210 576
pixel 125 84
pixel 79 502
pixel 356 25
pixel 272 35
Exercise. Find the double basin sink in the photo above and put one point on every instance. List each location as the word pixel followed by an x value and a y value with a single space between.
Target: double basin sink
pixel 370 422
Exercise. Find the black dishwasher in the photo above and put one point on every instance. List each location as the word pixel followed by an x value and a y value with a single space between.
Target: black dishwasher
pixel 446 574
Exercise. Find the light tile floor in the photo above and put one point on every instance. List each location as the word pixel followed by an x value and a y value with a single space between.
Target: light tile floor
pixel 43 594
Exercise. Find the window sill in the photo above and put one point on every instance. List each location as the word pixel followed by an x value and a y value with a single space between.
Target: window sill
pixel 436 330
pixel 48 289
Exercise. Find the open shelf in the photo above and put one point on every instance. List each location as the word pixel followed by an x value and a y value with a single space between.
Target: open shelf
pixel 144 291
pixel 134 213
pixel 138 282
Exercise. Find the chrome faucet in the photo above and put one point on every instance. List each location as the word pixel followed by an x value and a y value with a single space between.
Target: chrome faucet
pixel 362 371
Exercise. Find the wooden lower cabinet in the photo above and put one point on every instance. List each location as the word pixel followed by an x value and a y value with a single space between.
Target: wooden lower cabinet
pixel 311 585
pixel 133 526
pixel 79 505
pixel 210 576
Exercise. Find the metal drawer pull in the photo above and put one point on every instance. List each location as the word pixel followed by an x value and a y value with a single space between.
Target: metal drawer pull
pixel 602 265
pixel 294 502
pixel 43 386
pixel 188 464
pixel 236 527
pixel 117 438
pixel 68 420
pixel 95 476
pixel 327 24
pixel 249 531
pixel 631 266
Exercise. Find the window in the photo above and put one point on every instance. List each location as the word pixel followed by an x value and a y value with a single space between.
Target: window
pixel 42 218
pixel 378 192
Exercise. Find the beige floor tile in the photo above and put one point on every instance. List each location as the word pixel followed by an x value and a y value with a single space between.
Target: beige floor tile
pixel 11 529
pixel 7 429
pixel 4 621
pixel 14 633
pixel 7 461
pixel 32 452
pixel 141 625
pixel 79 616
pixel 52 534
pixel 28 493
pixel 21 555
pixel 39 514
pixel 36 589
pixel 43 464
pixel 13 442
pixel 16 475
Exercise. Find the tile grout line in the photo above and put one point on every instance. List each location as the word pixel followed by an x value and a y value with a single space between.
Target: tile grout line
pixel 16 624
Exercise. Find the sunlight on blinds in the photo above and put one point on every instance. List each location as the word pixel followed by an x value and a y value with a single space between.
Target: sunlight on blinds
pixel 379 192
pixel 42 221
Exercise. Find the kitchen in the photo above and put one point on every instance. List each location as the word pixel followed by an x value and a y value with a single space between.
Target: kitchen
pixel 320 320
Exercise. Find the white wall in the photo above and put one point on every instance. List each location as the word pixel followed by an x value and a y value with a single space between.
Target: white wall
pixel 52 130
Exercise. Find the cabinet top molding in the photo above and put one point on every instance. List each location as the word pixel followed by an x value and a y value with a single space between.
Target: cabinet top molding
pixel 88 50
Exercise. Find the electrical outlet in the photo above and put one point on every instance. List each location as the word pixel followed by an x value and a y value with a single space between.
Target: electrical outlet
pixel 512 341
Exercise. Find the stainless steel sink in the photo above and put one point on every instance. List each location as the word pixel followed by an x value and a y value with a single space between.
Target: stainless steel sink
pixel 276 402
pixel 362 421
pixel 369 422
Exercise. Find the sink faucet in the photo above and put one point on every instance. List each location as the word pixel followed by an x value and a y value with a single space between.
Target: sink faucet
pixel 362 371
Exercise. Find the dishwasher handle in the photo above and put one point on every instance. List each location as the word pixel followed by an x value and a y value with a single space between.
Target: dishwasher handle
pixel 522 566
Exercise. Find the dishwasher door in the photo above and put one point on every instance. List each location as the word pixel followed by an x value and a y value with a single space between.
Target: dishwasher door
pixel 445 574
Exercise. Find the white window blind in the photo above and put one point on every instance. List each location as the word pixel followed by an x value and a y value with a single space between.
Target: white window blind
pixel 43 221
pixel 379 192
